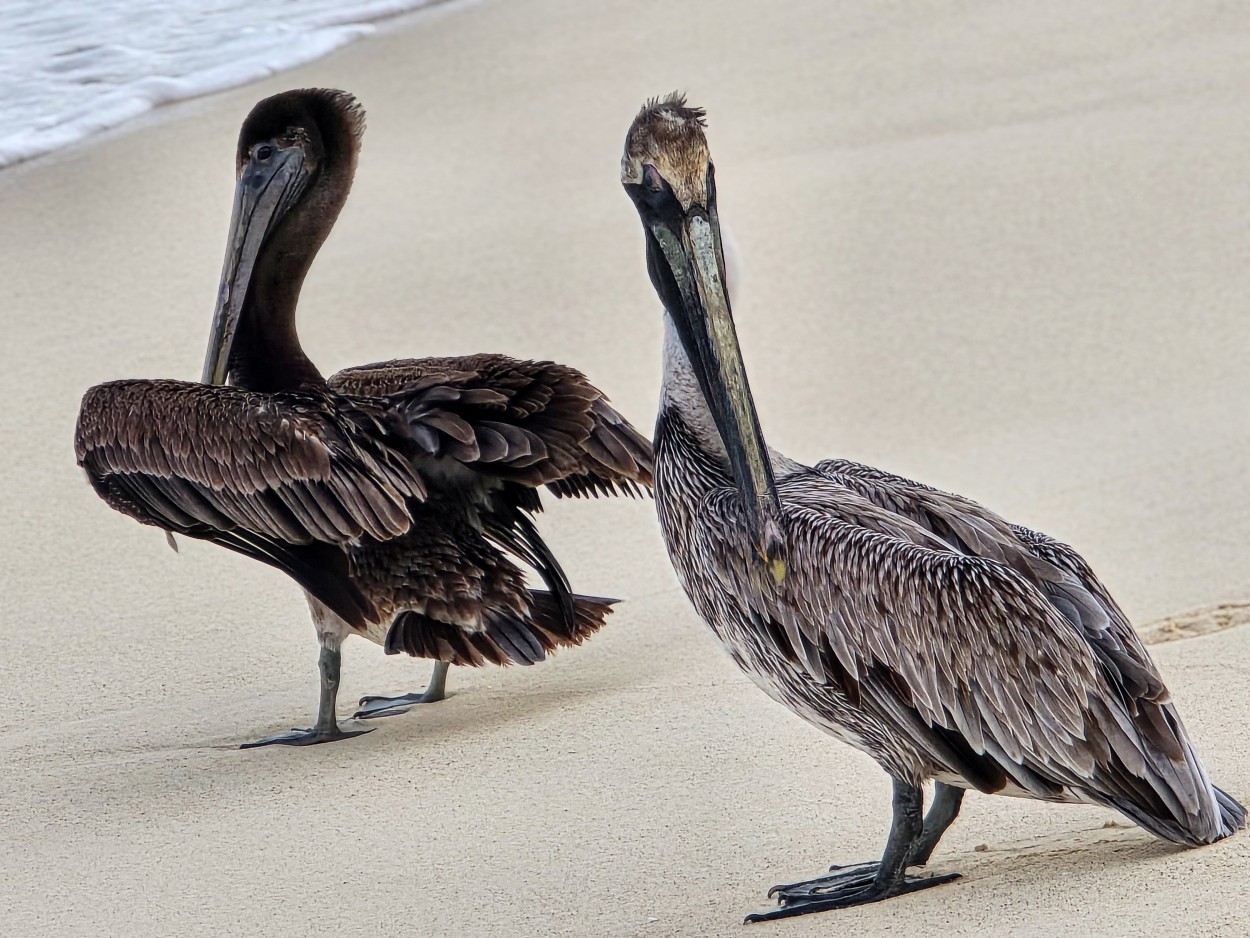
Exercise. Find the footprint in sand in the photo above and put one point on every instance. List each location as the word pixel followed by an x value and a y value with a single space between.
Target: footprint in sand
pixel 1197 622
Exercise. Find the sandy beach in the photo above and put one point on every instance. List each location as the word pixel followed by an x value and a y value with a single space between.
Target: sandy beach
pixel 1001 248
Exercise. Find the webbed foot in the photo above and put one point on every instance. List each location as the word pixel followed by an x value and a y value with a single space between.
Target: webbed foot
pixel 306 737
pixel 844 887
pixel 373 706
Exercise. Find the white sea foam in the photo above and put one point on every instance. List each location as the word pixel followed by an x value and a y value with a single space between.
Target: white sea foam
pixel 70 68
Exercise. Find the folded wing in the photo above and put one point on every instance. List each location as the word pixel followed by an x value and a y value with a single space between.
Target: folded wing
pixel 999 662
pixel 536 423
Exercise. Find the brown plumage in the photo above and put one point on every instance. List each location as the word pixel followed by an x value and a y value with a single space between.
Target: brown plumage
pixel 913 624
pixel 537 423
pixel 399 495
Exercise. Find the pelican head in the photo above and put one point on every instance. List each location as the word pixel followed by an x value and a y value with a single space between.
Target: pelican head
pixel 667 172
pixel 294 165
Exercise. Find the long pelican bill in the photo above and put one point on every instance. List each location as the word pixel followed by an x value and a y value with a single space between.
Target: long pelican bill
pixel 691 249
pixel 269 183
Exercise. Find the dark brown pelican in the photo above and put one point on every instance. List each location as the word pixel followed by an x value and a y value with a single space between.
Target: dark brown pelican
pixel 915 625
pixel 393 493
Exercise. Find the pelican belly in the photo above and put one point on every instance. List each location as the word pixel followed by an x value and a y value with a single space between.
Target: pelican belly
pixel 332 629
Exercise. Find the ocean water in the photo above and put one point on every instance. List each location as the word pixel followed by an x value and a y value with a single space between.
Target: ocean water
pixel 71 68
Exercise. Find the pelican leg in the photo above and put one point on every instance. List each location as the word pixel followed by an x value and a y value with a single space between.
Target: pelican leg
pixel 941 815
pixel 327 729
pixel 870 882
pixel 436 690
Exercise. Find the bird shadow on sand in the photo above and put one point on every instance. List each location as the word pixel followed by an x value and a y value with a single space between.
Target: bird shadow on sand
pixel 110 758
pixel 1115 843
pixel 463 715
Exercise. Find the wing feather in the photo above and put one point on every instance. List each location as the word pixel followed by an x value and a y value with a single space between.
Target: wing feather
pixel 275 476
pixel 534 422
pixel 978 640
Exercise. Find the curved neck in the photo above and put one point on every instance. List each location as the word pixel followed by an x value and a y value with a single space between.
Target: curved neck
pixel 267 355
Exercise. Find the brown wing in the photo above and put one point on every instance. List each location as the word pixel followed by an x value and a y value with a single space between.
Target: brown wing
pixel 284 478
pixel 967 656
pixel 537 423
pixel 1056 569
pixel 462 601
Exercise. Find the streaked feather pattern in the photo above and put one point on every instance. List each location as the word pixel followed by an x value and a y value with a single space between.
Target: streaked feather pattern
pixel 941 640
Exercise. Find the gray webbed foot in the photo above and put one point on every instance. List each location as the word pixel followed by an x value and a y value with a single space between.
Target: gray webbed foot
pixel 307 737
pixel 911 842
pixel 373 707
pixel 844 887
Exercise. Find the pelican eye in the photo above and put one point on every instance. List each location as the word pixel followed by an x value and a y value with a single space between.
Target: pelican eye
pixel 651 178
pixel 263 152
